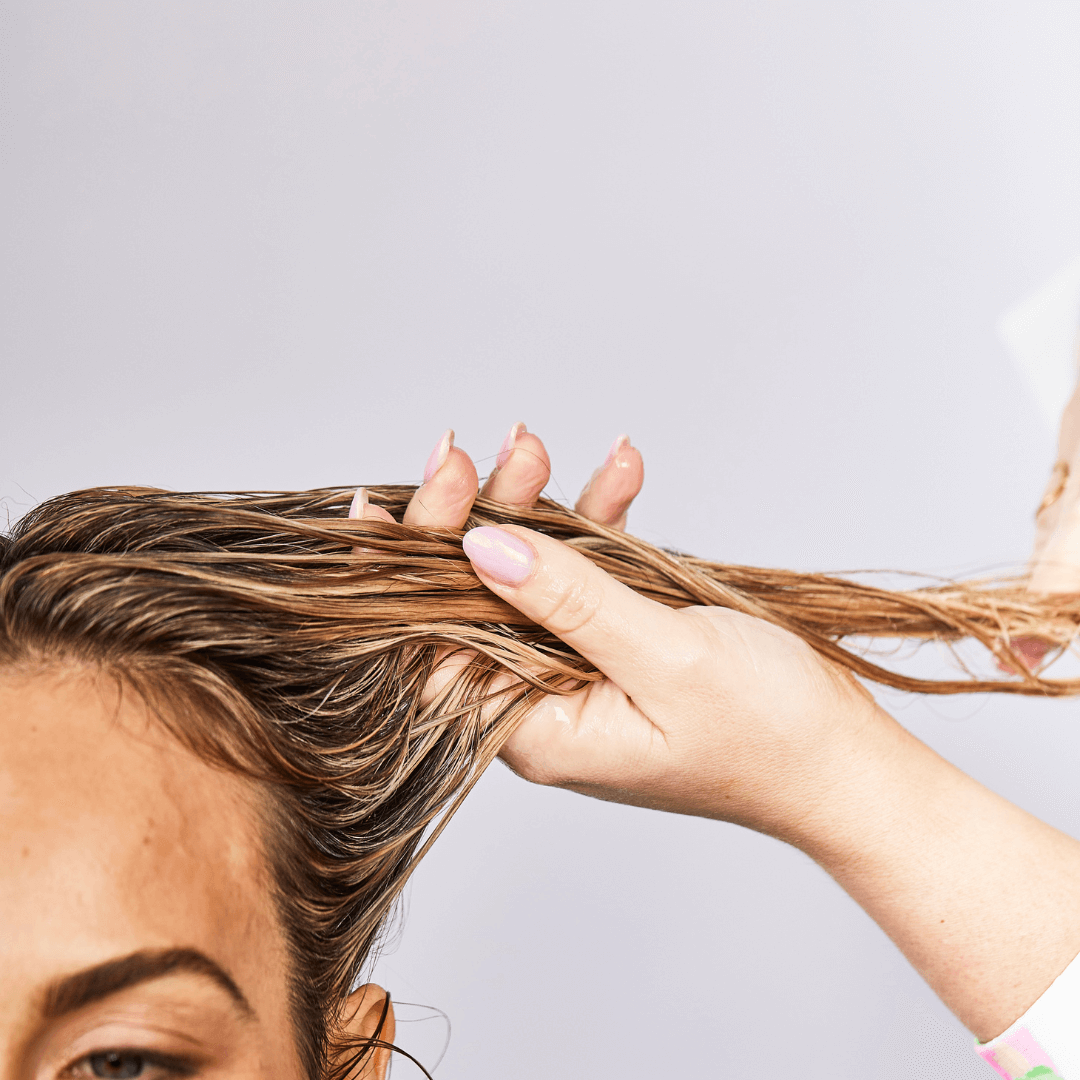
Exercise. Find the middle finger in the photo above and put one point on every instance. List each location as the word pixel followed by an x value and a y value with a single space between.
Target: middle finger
pixel 522 469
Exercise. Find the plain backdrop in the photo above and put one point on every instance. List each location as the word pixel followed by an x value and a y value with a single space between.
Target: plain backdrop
pixel 284 244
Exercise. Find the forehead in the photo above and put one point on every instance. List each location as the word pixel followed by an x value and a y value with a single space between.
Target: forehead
pixel 118 837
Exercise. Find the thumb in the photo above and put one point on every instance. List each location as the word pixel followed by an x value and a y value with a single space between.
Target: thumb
pixel 639 643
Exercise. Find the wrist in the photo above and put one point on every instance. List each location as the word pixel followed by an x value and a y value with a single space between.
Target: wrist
pixel 982 898
pixel 858 787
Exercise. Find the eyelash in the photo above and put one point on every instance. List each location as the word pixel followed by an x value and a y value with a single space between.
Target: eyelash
pixel 169 1064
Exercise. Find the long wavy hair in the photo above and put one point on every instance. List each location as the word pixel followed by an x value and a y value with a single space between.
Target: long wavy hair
pixel 302 642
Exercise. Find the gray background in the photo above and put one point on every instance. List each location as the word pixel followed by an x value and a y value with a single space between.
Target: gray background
pixel 285 244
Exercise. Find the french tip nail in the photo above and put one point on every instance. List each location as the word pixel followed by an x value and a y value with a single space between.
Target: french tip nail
pixel 439 455
pixel 621 443
pixel 359 501
pixel 508 444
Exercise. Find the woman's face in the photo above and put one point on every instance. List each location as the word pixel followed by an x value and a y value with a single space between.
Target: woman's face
pixel 138 937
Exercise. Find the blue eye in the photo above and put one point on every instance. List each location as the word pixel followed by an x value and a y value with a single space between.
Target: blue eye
pixel 117 1064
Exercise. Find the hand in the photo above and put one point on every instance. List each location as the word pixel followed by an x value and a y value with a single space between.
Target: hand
pixel 609 735
pixel 444 500
pixel 713 713
pixel 1055 555
pixel 705 711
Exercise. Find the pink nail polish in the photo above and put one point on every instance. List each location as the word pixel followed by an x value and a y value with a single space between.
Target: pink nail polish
pixel 621 443
pixel 359 501
pixel 499 555
pixel 1031 650
pixel 508 444
pixel 439 455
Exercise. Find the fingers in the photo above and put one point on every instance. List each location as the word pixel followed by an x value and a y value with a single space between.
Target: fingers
pixel 1031 651
pixel 446 496
pixel 638 642
pixel 614 486
pixel 1055 558
pixel 522 469
pixel 361 508
pixel 1056 561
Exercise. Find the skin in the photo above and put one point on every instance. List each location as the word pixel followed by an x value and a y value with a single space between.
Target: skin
pixel 1055 556
pixel 712 713
pixel 121 848
pixel 716 714
pixel 125 842
pixel 705 712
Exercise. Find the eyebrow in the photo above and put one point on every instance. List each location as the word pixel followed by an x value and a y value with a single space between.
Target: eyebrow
pixel 85 987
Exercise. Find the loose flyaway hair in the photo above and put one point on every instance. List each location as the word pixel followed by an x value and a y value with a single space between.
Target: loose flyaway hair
pixel 276 637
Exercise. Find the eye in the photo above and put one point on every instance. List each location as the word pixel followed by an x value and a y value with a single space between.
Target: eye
pixel 131 1064
pixel 117 1064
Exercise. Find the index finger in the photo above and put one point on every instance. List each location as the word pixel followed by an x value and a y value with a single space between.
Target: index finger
pixel 639 643
pixel 446 496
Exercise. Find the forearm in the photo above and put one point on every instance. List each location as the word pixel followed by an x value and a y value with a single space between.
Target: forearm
pixel 982 897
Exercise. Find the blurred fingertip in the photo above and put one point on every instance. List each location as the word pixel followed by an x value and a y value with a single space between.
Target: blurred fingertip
pixel 1030 651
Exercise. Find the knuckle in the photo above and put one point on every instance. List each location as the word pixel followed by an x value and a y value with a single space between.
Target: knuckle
pixel 573 609
pixel 690 667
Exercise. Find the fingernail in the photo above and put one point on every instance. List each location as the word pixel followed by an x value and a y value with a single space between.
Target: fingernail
pixel 359 501
pixel 439 455
pixel 499 555
pixel 511 439
pixel 621 443
pixel 1031 650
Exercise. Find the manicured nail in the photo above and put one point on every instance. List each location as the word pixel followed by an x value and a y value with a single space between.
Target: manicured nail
pixel 439 455
pixel 359 501
pixel 499 555
pixel 621 443
pixel 508 444
pixel 1031 650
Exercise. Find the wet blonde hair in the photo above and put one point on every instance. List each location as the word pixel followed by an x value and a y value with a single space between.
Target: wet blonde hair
pixel 278 638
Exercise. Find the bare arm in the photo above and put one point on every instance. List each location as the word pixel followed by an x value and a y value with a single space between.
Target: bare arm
pixel 980 896
pixel 713 713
